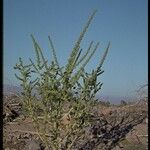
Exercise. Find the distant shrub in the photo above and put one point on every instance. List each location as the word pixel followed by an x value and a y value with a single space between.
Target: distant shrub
pixel 123 103
pixel 104 103
pixel 59 98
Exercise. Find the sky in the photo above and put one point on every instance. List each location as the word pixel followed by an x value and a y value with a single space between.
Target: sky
pixel 122 22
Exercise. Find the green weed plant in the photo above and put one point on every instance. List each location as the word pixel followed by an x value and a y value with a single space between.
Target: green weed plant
pixel 59 98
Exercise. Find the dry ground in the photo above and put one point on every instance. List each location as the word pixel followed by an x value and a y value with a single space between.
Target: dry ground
pixel 18 131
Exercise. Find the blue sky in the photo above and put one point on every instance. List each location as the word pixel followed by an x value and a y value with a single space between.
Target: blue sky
pixel 122 22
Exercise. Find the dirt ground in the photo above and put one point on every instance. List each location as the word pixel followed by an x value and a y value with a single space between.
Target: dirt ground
pixel 19 133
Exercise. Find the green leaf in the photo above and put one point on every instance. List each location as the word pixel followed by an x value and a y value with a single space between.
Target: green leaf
pixel 19 78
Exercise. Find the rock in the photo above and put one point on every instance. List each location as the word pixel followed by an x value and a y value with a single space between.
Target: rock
pixel 26 135
pixel 116 148
pixel 7 148
pixel 33 145
pixel 10 148
pixel 146 120
pixel 46 148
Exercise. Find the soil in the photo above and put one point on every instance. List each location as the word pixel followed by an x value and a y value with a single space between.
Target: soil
pixel 19 133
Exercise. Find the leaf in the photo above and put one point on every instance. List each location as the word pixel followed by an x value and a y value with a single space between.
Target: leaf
pixel 19 78
pixel 34 65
